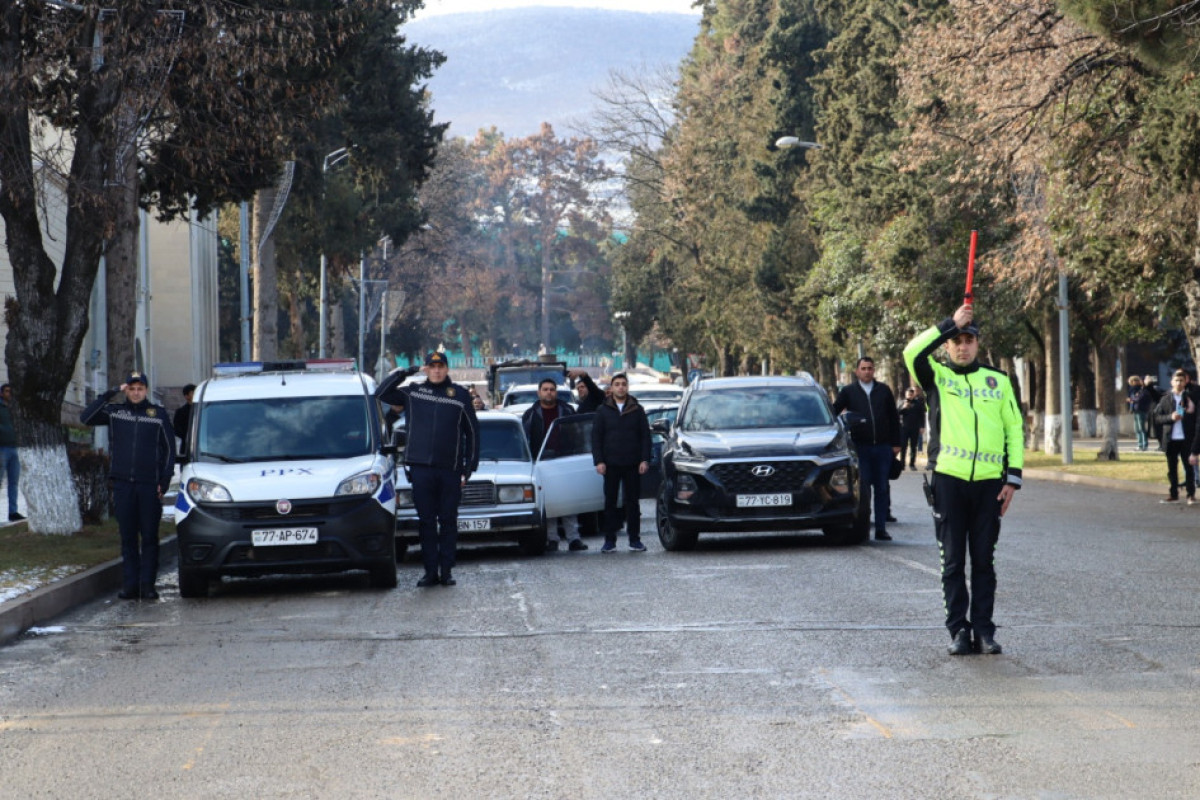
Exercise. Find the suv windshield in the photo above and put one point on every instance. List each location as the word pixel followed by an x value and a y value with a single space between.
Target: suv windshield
pixel 270 429
pixel 754 407
pixel 502 441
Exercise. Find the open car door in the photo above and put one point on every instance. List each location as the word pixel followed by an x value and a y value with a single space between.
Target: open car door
pixel 566 479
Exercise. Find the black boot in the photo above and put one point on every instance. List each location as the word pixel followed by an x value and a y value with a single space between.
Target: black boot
pixel 961 644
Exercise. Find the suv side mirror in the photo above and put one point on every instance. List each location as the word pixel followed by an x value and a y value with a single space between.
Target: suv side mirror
pixel 661 426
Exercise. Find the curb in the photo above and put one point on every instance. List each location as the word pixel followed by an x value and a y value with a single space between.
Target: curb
pixel 24 612
pixel 1139 487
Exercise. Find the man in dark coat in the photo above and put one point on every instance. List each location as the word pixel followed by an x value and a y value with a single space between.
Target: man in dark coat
pixel 1176 413
pixel 621 453
pixel 912 423
pixel 142 445
pixel 877 437
pixel 537 421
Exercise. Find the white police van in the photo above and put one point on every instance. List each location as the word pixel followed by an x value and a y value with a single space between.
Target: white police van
pixel 288 470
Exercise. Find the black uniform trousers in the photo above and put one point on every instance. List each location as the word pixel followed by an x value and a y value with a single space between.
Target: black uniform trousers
pixel 436 493
pixel 910 438
pixel 966 517
pixel 627 478
pixel 138 509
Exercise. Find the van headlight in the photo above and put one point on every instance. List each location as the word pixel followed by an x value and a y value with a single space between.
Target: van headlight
pixel 404 498
pixel 202 491
pixel 515 494
pixel 364 483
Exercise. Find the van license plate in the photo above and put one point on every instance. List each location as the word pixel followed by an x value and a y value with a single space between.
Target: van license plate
pixel 754 500
pixel 474 524
pixel 270 537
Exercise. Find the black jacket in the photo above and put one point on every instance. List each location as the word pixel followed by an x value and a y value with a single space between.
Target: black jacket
pixel 181 423
pixel 142 442
pixel 912 414
pixel 1162 416
pixel 439 420
pixel 595 395
pixel 621 438
pixel 535 428
pixel 882 424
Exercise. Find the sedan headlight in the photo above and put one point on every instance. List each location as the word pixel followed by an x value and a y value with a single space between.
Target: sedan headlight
pixel 364 483
pixel 202 491
pixel 515 494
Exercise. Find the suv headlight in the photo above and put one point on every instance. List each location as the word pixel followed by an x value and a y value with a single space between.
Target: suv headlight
pixel 685 487
pixel 364 483
pixel 515 494
pixel 202 491
pixel 839 480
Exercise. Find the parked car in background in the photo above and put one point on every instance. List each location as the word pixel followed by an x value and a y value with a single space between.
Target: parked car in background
pixel 758 454
pixel 511 495
pixel 520 397
pixel 656 410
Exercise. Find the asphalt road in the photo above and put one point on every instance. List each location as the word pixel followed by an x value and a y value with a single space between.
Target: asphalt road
pixel 761 666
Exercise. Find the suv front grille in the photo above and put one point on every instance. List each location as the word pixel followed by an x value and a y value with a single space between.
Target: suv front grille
pixel 738 478
pixel 478 493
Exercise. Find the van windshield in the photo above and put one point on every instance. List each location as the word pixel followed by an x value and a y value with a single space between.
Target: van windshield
pixel 279 428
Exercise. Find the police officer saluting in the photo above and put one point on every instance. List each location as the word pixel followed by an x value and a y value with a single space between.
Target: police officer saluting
pixel 440 454
pixel 976 448
pixel 142 447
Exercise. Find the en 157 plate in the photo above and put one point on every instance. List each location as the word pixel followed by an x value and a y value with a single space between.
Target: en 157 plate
pixel 754 500
pixel 474 524
pixel 270 537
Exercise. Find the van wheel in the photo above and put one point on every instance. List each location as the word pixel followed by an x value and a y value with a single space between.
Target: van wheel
pixel 672 535
pixel 533 541
pixel 383 576
pixel 193 583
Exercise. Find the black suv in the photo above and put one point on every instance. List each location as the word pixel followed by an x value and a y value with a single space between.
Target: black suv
pixel 758 454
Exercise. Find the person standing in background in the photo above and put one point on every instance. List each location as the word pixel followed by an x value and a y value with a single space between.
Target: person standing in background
pixel 10 463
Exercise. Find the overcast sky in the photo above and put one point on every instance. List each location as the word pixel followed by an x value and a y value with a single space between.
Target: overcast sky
pixel 433 7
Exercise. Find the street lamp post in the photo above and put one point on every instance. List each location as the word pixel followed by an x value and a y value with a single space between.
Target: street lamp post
pixel 331 159
pixel 620 317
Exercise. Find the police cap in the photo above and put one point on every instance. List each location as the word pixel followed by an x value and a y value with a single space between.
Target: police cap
pixel 137 377
pixel 436 358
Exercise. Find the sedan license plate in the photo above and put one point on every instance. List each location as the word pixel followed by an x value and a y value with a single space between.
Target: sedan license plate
pixel 270 537
pixel 755 500
pixel 474 524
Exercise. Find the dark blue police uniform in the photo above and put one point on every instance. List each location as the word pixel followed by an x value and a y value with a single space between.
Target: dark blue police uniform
pixel 142 448
pixel 440 454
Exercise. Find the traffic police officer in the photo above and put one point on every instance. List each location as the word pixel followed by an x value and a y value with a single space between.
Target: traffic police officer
pixel 976 450
pixel 440 454
pixel 142 447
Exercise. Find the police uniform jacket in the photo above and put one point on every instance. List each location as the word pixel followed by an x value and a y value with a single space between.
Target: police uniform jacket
pixel 976 428
pixel 440 422
pixel 142 442
pixel 8 431
pixel 621 438
pixel 882 425
pixel 535 426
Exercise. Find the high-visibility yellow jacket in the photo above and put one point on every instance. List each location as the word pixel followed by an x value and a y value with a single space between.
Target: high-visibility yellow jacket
pixel 976 429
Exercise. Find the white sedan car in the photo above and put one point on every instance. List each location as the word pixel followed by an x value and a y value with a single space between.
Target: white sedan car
pixel 512 495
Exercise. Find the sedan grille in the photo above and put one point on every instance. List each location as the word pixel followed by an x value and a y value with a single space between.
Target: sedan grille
pixel 761 477
pixel 478 493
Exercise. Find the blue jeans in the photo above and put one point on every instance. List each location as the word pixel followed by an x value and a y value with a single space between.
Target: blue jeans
pixel 1139 427
pixel 10 466
pixel 874 464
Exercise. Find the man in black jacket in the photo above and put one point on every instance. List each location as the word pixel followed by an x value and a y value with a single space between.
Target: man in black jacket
pixel 912 423
pixel 536 421
pixel 142 447
pixel 621 453
pixel 1176 413
pixel 591 396
pixel 877 437
pixel 440 454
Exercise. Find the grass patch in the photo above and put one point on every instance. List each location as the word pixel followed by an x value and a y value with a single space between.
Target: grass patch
pixel 1149 467
pixel 33 559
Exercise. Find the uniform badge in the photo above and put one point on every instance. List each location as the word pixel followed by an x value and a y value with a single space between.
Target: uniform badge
pixel 150 412
pixel 449 391
pixel 992 382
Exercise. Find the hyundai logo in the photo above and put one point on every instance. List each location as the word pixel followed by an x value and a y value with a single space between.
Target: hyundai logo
pixel 283 507
pixel 762 471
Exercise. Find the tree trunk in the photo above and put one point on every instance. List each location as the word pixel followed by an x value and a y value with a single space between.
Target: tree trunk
pixel 1052 377
pixel 1082 359
pixel 337 326
pixel 121 281
pixel 266 287
pixel 296 319
pixel 1105 367
pixel 1191 294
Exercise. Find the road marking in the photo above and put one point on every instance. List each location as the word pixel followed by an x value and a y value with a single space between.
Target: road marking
pixel 850 701
pixel 908 562
pixel 217 718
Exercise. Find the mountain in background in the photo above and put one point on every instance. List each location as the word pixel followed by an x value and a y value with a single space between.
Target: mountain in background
pixel 517 68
